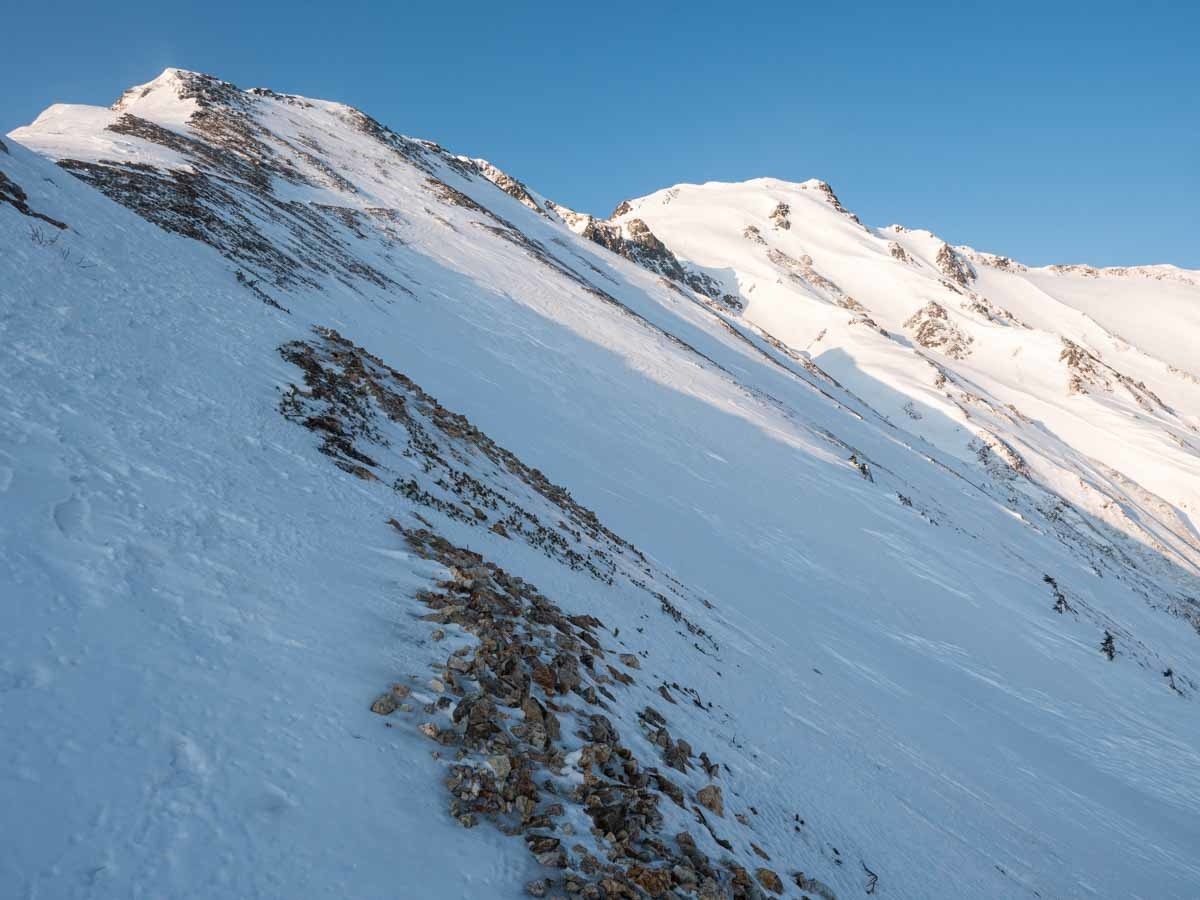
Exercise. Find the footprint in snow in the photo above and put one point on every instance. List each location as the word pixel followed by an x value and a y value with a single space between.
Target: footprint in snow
pixel 73 517
pixel 275 801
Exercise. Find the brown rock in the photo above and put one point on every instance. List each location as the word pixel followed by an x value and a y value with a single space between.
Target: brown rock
pixel 554 859
pixel 544 676
pixel 479 712
pixel 630 660
pixel 501 765
pixel 541 843
pixel 769 880
pixel 669 788
pixel 655 882
pixel 677 755
pixel 384 705
pixel 741 878
pixel 685 876
pixel 710 798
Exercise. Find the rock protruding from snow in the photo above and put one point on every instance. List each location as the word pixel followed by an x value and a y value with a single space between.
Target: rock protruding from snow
pixel 898 252
pixel 827 190
pixel 532 712
pixel 933 329
pixel 634 240
pixel 509 185
pixel 779 216
pixel 954 266
pixel 14 195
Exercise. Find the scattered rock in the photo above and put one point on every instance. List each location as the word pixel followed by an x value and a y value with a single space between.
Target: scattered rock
pixel 813 886
pixel 655 882
pixel 710 798
pixel 509 754
pixel 384 705
pixel 769 880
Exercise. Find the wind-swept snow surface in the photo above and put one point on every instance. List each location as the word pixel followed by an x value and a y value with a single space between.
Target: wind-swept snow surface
pixel 352 493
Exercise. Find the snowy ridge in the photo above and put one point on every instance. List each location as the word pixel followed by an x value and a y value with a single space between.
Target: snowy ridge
pixel 744 551
pixel 1001 335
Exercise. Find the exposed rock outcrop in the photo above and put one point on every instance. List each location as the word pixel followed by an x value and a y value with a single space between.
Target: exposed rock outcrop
pixel 14 195
pixel 954 266
pixel 824 188
pixel 634 240
pixel 900 253
pixel 509 185
pixel 934 330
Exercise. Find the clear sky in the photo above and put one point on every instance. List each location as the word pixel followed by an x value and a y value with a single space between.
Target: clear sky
pixel 1050 131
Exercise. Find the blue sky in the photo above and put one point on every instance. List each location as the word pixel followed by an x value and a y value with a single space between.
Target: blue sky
pixel 1051 132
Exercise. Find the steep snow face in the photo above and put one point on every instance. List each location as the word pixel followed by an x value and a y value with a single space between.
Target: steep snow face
pixel 1082 374
pixel 348 496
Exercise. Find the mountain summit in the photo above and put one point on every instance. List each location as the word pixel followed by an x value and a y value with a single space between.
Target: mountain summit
pixel 374 525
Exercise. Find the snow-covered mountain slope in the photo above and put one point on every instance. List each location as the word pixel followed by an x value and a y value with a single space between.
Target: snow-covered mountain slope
pixel 1081 377
pixel 352 493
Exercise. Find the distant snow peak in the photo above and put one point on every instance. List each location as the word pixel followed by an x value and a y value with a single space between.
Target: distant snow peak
pixel 170 80
pixel 1156 273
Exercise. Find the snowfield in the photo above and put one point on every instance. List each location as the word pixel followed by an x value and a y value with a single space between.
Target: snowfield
pixel 869 563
